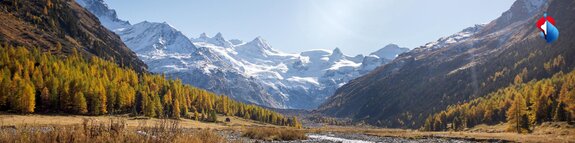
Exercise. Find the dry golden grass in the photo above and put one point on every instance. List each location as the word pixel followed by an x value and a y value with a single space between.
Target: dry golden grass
pixel 73 128
pixel 241 122
pixel 31 128
pixel 18 120
pixel 274 134
pixel 113 131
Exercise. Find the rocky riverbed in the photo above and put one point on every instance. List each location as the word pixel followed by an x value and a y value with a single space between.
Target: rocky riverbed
pixel 342 138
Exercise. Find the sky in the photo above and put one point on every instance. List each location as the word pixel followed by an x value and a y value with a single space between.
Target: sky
pixel 355 26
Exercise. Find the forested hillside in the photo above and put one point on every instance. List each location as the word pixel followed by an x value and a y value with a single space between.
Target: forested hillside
pixel 32 81
pixel 521 105
pixel 429 79
pixel 58 26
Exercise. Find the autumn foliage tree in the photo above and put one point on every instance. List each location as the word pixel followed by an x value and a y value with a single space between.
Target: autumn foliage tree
pixel 92 86
pixel 517 115
pixel 521 105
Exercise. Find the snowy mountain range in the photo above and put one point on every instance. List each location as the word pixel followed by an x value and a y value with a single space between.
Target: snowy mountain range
pixel 251 72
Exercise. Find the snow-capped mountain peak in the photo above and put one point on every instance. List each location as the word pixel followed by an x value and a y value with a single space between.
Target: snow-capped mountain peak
pixel 389 51
pixel 257 48
pixel 336 55
pixel 337 52
pixel 251 72
pixel 107 16
pixel 203 36
pixel 158 38
pixel 261 43
pixel 219 36
pixel 217 40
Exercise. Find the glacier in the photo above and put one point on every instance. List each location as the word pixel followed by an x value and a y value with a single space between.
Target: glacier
pixel 251 72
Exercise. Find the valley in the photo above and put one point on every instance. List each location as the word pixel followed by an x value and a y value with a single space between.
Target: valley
pixel 252 72
pixel 234 131
pixel 73 71
pixel 427 81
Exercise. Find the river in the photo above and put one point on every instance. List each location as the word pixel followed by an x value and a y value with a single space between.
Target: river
pixel 330 137
pixel 361 138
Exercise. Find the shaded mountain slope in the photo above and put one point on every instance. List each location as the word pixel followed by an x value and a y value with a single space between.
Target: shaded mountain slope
pixel 426 80
pixel 47 24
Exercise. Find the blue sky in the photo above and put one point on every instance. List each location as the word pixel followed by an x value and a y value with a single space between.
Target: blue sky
pixel 355 26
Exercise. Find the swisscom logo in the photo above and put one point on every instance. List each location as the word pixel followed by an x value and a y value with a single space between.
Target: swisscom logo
pixel 548 30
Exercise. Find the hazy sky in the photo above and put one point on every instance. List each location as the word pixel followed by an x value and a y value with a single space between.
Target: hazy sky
pixel 355 26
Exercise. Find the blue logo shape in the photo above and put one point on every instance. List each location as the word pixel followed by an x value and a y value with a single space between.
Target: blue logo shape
pixel 548 30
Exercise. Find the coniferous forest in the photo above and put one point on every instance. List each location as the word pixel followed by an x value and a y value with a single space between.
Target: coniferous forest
pixel 521 105
pixel 34 81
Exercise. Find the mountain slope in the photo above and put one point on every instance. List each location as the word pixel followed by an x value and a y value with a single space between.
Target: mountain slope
pixel 426 80
pixel 47 24
pixel 107 17
pixel 50 63
pixel 302 80
pixel 166 50
pixel 251 72
pixel 547 100
pixel 74 85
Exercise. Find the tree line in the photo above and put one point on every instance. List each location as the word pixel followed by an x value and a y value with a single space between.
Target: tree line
pixel 32 81
pixel 521 105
